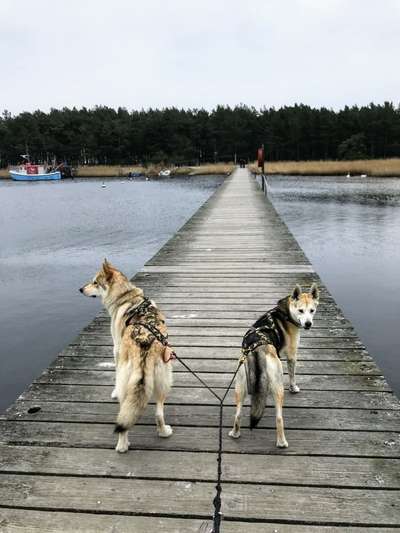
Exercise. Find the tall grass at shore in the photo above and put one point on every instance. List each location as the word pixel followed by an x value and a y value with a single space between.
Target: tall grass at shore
pixel 371 167
pixel 116 171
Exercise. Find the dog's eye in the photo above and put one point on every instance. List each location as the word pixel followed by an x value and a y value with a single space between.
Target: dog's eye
pixel 301 310
pixel 312 310
pixel 95 283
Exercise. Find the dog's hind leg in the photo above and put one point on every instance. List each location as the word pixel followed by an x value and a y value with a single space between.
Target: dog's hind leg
pixel 114 393
pixel 121 381
pixel 240 394
pixel 275 378
pixel 163 429
pixel 162 386
pixel 121 388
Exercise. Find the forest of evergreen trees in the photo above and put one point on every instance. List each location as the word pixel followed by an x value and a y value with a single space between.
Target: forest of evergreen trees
pixel 107 136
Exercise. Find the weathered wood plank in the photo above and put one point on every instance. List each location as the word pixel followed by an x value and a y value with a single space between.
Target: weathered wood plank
pixel 223 352
pixel 221 267
pixel 358 507
pixel 221 380
pixel 129 496
pixel 308 471
pixel 28 521
pixel 93 339
pixel 268 527
pixel 227 323
pixel 301 442
pixel 215 331
pixel 133 496
pixel 17 520
pixel 208 415
pixel 223 365
pixel 188 395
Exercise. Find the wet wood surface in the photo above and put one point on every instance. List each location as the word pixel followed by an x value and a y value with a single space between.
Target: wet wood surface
pixel 228 264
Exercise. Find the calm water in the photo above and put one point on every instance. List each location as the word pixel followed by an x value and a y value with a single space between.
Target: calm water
pixel 350 229
pixel 53 237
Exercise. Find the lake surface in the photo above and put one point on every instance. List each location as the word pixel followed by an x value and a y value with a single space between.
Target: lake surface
pixel 350 229
pixel 53 237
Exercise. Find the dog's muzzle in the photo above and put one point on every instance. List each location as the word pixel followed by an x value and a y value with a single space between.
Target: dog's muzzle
pixel 81 291
pixel 307 325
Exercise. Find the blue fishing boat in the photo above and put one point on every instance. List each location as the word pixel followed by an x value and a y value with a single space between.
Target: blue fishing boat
pixel 28 171
pixel 24 175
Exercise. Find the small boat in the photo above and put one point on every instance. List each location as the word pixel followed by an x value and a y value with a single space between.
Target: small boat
pixel 164 173
pixel 29 172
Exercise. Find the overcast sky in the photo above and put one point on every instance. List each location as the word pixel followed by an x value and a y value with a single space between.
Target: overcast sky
pixel 192 53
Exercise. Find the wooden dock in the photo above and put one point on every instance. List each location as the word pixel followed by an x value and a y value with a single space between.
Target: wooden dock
pixel 229 263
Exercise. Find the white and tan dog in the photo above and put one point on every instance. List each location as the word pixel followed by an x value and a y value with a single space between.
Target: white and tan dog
pixel 143 365
pixel 275 333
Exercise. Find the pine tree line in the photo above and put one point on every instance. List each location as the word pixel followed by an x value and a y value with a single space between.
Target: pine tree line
pixel 107 136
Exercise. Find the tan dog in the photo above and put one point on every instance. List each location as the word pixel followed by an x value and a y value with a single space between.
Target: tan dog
pixel 143 366
pixel 275 333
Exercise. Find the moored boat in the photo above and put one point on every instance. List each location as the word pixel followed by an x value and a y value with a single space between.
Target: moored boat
pixel 23 175
pixel 165 173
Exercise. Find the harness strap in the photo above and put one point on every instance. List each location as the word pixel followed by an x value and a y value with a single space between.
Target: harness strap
pixel 133 311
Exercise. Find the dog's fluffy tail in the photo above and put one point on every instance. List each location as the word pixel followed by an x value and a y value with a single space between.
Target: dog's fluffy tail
pixel 257 365
pixel 138 393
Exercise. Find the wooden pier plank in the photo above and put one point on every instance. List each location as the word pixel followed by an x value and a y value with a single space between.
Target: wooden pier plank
pixel 233 259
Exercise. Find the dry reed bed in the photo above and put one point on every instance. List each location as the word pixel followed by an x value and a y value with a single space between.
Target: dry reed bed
pixel 371 167
pixel 115 171
pixel 152 170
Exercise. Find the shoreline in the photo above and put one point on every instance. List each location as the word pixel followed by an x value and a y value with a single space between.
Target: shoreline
pixel 377 168
pixel 123 171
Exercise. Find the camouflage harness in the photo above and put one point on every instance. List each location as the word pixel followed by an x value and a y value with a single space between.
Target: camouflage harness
pixel 145 315
pixel 266 330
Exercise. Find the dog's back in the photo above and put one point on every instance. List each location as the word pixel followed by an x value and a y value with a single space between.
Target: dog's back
pixel 141 354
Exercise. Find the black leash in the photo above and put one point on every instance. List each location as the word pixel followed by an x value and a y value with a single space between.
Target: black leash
pixel 217 500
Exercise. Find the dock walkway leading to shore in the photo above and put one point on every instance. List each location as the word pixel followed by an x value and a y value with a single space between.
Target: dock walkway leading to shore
pixel 228 264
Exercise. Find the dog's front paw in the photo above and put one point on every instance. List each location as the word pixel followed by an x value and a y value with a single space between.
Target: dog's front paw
pixel 114 394
pixel 165 432
pixel 294 389
pixel 282 443
pixel 234 434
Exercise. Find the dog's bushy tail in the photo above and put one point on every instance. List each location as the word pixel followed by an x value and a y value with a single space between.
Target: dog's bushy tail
pixel 138 393
pixel 257 366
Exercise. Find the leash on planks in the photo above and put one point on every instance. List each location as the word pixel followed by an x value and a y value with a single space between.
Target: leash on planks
pixel 217 499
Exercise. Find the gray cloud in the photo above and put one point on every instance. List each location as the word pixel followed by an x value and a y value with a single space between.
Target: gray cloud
pixel 197 54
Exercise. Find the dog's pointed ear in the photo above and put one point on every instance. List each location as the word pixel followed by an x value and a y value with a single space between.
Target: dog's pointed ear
pixel 108 270
pixel 314 291
pixel 296 292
